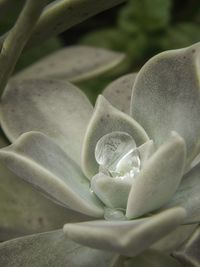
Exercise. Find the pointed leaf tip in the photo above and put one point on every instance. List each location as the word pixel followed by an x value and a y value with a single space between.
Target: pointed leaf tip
pixel 63 117
pixel 159 179
pixel 37 159
pixel 75 63
pixel 107 119
pixel 166 97
pixel 126 237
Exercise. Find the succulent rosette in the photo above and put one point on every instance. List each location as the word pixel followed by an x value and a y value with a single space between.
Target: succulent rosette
pixel 130 164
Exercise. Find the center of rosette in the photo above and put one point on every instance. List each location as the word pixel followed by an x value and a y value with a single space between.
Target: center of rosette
pixel 117 155
pixel 119 164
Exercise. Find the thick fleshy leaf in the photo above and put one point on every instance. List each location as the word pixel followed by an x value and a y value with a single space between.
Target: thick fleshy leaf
pixel 58 109
pixel 189 254
pixel 50 249
pixel 159 179
pixel 40 161
pixel 146 151
pixel 166 97
pixel 113 192
pixel 61 15
pixel 175 239
pixel 126 237
pixel 107 119
pixel 119 91
pixel 195 161
pixel 150 258
pixel 73 63
pixel 188 196
pixel 23 210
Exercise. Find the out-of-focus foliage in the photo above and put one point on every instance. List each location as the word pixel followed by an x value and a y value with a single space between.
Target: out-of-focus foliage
pixel 7 20
pixel 142 28
pixel 146 27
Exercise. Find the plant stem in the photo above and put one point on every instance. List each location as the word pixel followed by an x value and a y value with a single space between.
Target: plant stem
pixel 63 14
pixel 17 38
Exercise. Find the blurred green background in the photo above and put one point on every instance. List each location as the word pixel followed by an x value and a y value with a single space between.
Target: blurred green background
pixel 139 28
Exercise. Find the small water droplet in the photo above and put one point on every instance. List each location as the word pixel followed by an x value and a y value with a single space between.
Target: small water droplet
pixel 114 214
pixel 129 163
pixel 91 190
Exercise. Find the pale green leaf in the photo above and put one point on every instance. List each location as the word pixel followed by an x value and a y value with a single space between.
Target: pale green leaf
pixel 150 258
pixel 126 237
pixel 175 239
pixel 23 210
pixel 63 14
pixel 159 179
pixel 112 192
pixel 50 249
pixel 58 109
pixel 188 196
pixel 166 97
pixel 40 161
pixel 107 119
pixel 188 253
pixel 73 63
pixel 118 92
pixel 146 150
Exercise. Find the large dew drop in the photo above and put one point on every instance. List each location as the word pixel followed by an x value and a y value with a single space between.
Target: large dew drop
pixel 116 153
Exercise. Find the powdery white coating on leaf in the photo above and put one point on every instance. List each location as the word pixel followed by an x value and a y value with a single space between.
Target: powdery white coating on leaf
pixel 166 97
pixel 175 239
pixel 146 150
pixel 58 109
pixel 24 210
pixel 64 14
pixel 126 237
pixel 107 119
pixel 159 179
pixel 50 249
pixel 188 253
pixel 187 195
pixel 113 192
pixel 118 92
pixel 73 63
pixel 40 161
pixel 149 258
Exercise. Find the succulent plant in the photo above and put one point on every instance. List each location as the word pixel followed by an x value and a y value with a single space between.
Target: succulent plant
pixel 123 177
pixel 134 172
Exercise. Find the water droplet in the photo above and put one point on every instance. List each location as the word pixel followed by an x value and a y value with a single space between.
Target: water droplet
pixel 116 153
pixel 114 214
pixel 129 163
pixel 91 190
